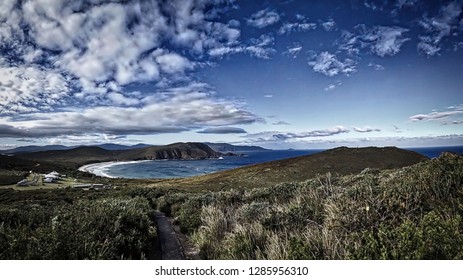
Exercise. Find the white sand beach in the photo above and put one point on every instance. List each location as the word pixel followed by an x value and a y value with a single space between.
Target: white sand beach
pixel 101 168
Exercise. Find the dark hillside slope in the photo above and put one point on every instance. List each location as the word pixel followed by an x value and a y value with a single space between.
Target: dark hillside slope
pixel 73 157
pixel 172 151
pixel 13 163
pixel 338 161
pixel 84 155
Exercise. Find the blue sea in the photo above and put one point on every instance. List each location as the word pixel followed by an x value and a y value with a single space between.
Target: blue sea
pixel 188 168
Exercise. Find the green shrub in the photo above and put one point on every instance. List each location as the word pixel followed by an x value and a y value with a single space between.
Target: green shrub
pixel 114 228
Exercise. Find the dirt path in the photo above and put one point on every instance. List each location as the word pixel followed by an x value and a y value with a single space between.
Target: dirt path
pixel 170 245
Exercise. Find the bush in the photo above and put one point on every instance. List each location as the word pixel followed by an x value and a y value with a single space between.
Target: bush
pixel 114 228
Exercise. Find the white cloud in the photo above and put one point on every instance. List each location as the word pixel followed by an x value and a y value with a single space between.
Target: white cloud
pixel 427 47
pixel 376 66
pixel 293 51
pixel 173 63
pixel 385 40
pixel 443 115
pixel 275 136
pixel 328 64
pixel 268 95
pixel 99 42
pixel 223 130
pixel 257 47
pixel 120 99
pixel 366 129
pixel 174 110
pixel 64 65
pixel 290 27
pixel 330 87
pixel 281 123
pixel 349 42
pixel 303 24
pixel 329 25
pixel 439 27
pixel 26 89
pixel 380 40
pixel 405 3
pixel 263 18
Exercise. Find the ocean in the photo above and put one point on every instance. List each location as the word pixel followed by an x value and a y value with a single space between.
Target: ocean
pixel 188 168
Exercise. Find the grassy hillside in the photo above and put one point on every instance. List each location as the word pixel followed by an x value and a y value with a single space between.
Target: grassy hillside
pixel 339 161
pixel 407 213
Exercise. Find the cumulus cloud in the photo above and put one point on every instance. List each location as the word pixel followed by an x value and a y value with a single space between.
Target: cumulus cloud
pixel 329 25
pixel 328 64
pixel 366 129
pixel 174 110
pixel 223 130
pixel 31 88
pixel 380 40
pixel 263 18
pixel 269 136
pixel 349 43
pixel 384 40
pixel 453 111
pixel 65 66
pixel 438 27
pixel 58 50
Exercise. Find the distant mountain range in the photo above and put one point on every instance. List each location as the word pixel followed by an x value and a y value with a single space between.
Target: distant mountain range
pixel 35 148
pixel 218 147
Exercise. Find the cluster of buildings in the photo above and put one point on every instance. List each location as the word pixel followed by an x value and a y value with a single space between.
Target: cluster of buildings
pixel 55 177
pixel 51 177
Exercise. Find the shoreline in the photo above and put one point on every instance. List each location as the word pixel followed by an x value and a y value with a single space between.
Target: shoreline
pixel 100 168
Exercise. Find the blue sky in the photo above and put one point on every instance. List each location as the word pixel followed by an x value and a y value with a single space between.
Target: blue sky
pixel 279 74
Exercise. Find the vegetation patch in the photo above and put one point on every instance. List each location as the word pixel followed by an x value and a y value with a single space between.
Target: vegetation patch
pixel 114 227
pixel 408 213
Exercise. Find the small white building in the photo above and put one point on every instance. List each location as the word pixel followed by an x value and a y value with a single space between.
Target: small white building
pixel 23 182
pixel 48 180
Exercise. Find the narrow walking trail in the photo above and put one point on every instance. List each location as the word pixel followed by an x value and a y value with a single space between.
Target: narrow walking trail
pixel 171 247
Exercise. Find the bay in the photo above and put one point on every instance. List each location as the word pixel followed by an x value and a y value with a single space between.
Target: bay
pixel 188 168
